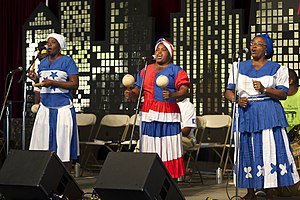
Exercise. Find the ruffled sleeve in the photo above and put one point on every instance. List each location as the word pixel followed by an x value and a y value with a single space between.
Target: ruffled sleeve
pixel 182 79
pixel 282 79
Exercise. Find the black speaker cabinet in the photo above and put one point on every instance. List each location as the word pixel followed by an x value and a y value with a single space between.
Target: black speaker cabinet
pixel 141 176
pixel 36 175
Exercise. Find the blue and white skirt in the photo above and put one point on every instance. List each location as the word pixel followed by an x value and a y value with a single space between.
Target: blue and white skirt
pixel 55 129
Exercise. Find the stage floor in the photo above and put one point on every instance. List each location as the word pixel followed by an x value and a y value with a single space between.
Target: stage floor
pixel 191 191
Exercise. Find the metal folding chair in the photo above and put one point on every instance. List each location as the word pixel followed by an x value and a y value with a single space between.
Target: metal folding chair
pixel 134 122
pixel 218 127
pixel 193 152
pixel 109 134
pixel 86 124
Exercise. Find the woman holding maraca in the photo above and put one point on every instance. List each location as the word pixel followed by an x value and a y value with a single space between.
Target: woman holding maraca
pixel 164 82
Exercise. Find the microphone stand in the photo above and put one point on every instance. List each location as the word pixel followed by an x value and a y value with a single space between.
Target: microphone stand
pixel 7 112
pixel 137 109
pixel 23 78
pixel 235 115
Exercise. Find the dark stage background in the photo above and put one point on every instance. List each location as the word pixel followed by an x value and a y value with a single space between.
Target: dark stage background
pixel 15 12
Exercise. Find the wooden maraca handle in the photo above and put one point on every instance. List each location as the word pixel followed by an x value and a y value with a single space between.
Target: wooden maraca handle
pixel 39 84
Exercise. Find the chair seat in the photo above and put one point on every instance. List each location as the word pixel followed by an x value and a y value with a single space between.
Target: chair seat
pixel 127 142
pixel 97 142
pixel 210 145
pixel 194 148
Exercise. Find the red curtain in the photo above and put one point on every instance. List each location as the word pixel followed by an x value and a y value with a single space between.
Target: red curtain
pixel 13 15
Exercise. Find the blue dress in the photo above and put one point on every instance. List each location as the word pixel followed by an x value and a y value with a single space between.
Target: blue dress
pixel 55 126
pixel 265 159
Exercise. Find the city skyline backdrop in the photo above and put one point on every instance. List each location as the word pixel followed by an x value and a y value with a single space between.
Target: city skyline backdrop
pixel 206 35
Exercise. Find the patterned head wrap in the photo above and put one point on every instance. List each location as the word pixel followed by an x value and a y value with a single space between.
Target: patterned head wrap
pixel 60 39
pixel 269 42
pixel 167 44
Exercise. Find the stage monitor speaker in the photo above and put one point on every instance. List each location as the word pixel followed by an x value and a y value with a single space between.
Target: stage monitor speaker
pixel 128 175
pixel 36 175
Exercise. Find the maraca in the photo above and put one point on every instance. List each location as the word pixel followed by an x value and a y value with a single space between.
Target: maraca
pixel 162 81
pixel 34 108
pixel 128 80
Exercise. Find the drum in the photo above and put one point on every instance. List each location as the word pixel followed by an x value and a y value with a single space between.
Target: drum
pixel 288 191
pixel 293 190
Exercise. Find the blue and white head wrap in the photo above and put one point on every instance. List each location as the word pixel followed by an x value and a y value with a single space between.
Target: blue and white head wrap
pixel 269 42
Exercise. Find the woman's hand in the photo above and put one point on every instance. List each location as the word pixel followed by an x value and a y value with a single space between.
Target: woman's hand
pixel 166 94
pixel 47 83
pixel 127 94
pixel 243 102
pixel 258 86
pixel 33 76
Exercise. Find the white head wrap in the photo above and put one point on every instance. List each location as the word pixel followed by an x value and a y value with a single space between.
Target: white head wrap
pixel 60 39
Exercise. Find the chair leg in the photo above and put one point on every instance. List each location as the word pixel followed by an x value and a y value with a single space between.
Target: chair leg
pixel 187 164
pixel 195 167
pixel 226 161
pixel 86 157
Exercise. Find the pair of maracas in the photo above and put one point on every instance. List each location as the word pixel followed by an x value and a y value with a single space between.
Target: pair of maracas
pixel 161 81
pixel 128 81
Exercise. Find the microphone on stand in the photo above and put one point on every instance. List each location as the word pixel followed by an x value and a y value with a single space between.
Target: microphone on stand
pixel 151 58
pixel 19 69
pixel 42 47
pixel 243 51
pixel 240 53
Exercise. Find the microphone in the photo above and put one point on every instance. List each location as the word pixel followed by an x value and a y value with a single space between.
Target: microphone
pixel 244 51
pixel 151 58
pixel 19 69
pixel 42 46
pixel 41 49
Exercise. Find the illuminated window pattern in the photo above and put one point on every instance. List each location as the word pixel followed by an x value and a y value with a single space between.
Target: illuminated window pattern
pixel 204 40
pixel 206 36
pixel 215 32
pixel 130 37
pixel 280 20
pixel 76 27
pixel 36 28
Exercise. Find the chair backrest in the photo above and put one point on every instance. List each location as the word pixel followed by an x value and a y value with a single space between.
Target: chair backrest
pixel 86 123
pixel 132 118
pixel 201 124
pixel 114 120
pixel 220 124
pixel 127 136
pixel 85 119
pixel 112 127
pixel 217 121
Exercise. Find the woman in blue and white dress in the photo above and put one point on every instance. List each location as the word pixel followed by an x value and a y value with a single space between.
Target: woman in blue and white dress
pixel 265 160
pixel 55 126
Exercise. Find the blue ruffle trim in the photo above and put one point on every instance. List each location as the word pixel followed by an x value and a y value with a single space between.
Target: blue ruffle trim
pixel 160 129
pixel 260 115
